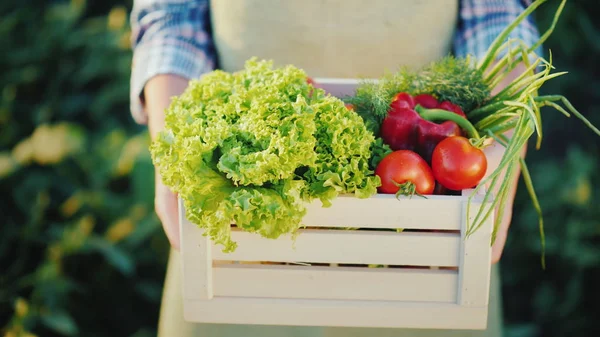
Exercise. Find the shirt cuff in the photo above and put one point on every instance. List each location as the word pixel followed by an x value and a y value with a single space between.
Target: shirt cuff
pixel 174 57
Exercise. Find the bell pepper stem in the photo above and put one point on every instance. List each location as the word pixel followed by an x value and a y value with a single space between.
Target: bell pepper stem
pixel 439 114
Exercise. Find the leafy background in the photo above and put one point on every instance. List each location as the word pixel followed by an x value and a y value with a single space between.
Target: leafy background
pixel 83 254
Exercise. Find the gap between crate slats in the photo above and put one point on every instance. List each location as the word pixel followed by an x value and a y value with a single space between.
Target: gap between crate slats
pixel 351 247
pixel 386 211
pixel 335 283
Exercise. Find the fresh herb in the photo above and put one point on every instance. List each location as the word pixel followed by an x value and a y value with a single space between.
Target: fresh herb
pixel 450 79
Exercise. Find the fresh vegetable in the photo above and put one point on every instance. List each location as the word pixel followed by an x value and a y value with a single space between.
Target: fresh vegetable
pixel 253 147
pixel 410 124
pixel 468 83
pixel 457 164
pixel 404 172
pixel 450 79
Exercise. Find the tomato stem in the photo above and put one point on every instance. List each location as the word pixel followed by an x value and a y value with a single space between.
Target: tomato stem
pixel 439 114
pixel 407 189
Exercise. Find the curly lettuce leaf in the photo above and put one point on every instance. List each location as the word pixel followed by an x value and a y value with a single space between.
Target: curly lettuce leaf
pixel 343 153
pixel 253 147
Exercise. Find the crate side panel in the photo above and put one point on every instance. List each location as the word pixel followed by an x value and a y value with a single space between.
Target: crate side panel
pixel 339 87
pixel 347 247
pixel 475 260
pixel 197 260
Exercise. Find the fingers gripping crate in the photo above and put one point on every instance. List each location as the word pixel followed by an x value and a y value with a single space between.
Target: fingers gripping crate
pixel 427 276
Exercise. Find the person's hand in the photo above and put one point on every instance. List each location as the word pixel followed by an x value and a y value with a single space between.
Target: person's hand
pixel 496 152
pixel 157 96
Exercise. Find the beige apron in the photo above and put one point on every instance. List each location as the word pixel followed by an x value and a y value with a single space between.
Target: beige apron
pixel 326 38
pixel 334 38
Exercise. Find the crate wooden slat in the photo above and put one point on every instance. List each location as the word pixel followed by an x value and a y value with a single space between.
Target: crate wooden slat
pixel 335 283
pixel 343 313
pixel 385 211
pixel 338 246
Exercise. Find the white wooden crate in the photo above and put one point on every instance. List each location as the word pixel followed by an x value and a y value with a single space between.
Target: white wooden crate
pixel 434 277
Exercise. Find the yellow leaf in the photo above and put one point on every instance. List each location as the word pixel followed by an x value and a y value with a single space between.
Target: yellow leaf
pixel 86 225
pixel 71 205
pixel 51 143
pixel 55 252
pixel 7 164
pixel 138 211
pixel 21 307
pixel 23 151
pixel 48 147
pixel 120 230
pixel 130 153
pixel 115 139
pixel 76 235
pixel 582 192
pixel 125 40
pixel 117 18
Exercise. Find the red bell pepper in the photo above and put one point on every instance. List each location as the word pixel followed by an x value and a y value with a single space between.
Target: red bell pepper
pixel 409 124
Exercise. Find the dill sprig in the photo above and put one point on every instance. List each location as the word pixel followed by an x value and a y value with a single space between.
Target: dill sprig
pixel 453 79
pixel 372 103
pixel 450 79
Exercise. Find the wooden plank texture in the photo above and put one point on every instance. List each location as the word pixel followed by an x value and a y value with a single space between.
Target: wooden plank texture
pixel 389 284
pixel 339 87
pixel 475 261
pixel 385 211
pixel 296 312
pixel 355 247
pixel 196 260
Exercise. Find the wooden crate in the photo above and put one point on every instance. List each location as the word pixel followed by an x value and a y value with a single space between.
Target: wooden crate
pixel 433 277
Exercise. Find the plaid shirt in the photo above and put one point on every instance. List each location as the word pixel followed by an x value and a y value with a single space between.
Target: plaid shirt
pixel 173 36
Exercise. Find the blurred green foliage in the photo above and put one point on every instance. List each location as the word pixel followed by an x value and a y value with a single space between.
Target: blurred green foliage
pixel 562 300
pixel 82 253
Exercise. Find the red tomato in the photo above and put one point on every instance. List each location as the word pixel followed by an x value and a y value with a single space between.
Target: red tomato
pixel 457 165
pixel 349 106
pixel 406 168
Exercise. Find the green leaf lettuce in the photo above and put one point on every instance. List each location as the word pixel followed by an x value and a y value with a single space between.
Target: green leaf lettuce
pixel 255 146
